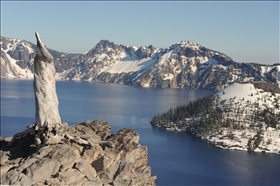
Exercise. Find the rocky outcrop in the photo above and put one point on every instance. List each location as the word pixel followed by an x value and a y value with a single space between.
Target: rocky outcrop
pixel 70 163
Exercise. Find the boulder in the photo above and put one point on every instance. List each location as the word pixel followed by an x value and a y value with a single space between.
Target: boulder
pixel 69 163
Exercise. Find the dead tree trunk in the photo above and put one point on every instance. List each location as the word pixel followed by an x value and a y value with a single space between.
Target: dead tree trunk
pixel 48 122
pixel 44 85
pixel 48 128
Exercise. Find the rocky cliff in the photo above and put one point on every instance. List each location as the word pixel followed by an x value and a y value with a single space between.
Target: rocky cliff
pixel 69 163
pixel 184 64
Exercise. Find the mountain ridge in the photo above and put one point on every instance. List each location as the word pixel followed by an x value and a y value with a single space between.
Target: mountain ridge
pixel 183 64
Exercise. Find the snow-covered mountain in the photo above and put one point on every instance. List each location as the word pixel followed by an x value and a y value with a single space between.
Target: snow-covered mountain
pixel 184 64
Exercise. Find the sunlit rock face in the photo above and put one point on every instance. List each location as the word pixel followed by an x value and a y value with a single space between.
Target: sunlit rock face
pixel 68 163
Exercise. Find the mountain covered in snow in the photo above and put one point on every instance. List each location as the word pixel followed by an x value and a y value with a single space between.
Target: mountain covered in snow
pixel 243 116
pixel 184 64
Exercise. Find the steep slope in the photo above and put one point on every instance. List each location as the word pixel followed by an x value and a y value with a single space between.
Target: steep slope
pixel 184 64
pixel 242 116
pixel 16 56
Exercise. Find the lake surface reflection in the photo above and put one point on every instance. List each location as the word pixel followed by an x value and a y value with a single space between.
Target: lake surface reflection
pixel 175 158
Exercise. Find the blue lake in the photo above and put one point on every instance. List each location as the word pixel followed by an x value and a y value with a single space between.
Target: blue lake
pixel 175 157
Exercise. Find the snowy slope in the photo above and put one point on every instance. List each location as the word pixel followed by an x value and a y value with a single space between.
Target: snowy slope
pixel 239 90
pixel 129 65
pixel 250 100
pixel 9 66
pixel 247 92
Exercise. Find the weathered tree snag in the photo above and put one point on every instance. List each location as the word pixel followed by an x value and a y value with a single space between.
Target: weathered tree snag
pixel 48 127
pixel 47 113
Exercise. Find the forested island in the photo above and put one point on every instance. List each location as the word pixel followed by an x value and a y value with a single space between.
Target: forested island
pixel 243 116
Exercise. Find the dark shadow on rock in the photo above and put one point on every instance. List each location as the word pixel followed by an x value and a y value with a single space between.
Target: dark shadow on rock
pixel 22 147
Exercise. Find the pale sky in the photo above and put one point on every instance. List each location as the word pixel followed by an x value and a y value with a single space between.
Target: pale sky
pixel 245 31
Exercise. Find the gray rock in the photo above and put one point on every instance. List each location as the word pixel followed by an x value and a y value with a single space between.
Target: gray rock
pixel 106 168
pixel 51 181
pixel 124 171
pixel 5 169
pixel 70 176
pixel 99 126
pixel 125 139
pixel 86 169
pixel 42 169
pixel 95 182
pixel 4 157
pixel 25 180
pixel 69 163
pixel 10 178
pixel 64 155
pixel 103 163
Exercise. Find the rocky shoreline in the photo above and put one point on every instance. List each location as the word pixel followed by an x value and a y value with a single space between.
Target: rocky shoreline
pixel 70 163
pixel 236 140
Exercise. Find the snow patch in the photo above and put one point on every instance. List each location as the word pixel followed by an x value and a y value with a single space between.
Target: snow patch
pixel 168 76
pixel 164 57
pixel 128 66
pixel 13 68
pixel 202 60
pixel 147 85
pixel 209 63
pixel 242 90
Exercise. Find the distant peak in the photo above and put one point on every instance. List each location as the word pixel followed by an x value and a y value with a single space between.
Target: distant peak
pixel 188 43
pixel 151 47
pixel 104 44
pixel 106 41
